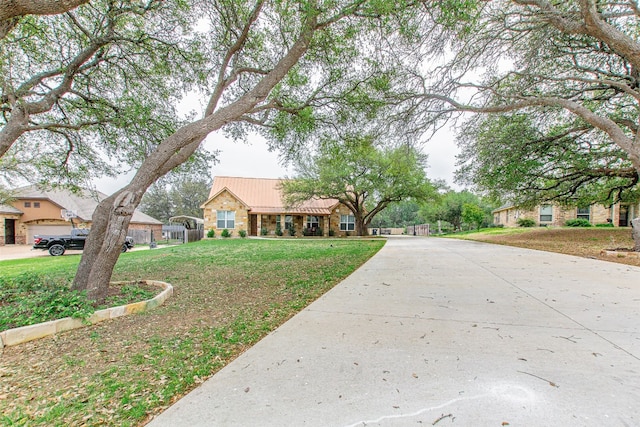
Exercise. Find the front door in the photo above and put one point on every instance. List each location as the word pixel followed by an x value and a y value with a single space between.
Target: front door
pixel 624 216
pixel 10 231
pixel 254 225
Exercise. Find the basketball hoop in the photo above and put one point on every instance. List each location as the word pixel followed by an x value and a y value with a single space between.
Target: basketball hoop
pixel 67 214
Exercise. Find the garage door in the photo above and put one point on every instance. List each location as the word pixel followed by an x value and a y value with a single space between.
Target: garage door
pixel 46 230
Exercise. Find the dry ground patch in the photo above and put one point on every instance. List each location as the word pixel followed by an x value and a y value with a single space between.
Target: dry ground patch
pixel 584 242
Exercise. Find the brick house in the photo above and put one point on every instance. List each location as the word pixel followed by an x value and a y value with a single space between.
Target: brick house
pixel 35 211
pixel 620 214
pixel 256 206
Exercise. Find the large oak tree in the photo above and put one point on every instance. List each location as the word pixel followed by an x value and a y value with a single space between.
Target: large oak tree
pixel 273 64
pixel 572 67
pixel 364 176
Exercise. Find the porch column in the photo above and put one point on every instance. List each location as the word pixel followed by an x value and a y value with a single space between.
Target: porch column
pixel 259 222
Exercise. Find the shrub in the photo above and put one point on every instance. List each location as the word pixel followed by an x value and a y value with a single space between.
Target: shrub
pixel 292 230
pixel 226 233
pixel 319 231
pixel 608 224
pixel 577 222
pixel 242 233
pixel 264 231
pixel 331 232
pixel 525 222
pixel 278 230
pixel 211 233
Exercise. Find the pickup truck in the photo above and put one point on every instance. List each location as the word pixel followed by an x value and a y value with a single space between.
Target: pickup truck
pixel 57 245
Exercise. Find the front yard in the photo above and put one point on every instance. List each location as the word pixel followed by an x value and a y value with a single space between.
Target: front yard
pixel 586 242
pixel 228 294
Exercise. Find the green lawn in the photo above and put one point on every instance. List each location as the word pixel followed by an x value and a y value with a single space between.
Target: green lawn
pixel 228 295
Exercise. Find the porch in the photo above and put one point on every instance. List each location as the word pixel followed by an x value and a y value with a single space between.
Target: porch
pixel 289 225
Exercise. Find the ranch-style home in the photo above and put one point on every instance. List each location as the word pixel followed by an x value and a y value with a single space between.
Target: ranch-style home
pixel 256 206
pixel 36 211
pixel 619 214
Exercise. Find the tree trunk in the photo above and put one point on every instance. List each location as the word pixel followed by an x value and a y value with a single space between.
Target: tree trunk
pixel 361 226
pixel 112 216
pixel 635 233
pixel 110 223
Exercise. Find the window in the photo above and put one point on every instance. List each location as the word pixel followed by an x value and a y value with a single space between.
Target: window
pixel 36 204
pixel 27 204
pixel 313 222
pixel 347 223
pixel 278 222
pixel 225 219
pixel 546 213
pixel 288 222
pixel 584 213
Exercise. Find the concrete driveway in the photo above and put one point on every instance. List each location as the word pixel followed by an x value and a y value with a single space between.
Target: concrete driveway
pixel 26 251
pixel 443 332
pixel 23 251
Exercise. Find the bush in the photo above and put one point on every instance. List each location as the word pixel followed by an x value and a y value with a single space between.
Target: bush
pixel 608 224
pixel 278 230
pixel 292 230
pixel 525 222
pixel 577 222
pixel 264 231
pixel 226 233
pixel 331 232
pixel 242 233
pixel 211 233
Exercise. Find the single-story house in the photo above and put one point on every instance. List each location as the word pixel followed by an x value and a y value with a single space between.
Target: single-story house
pixel 256 206
pixel 36 211
pixel 619 214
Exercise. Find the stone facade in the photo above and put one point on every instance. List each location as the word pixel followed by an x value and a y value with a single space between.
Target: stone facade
pixel 226 202
pixel 254 224
pixel 619 214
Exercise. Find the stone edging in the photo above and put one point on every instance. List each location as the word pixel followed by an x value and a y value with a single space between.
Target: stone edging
pixel 32 332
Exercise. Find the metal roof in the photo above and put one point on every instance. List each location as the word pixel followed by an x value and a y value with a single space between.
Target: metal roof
pixel 264 196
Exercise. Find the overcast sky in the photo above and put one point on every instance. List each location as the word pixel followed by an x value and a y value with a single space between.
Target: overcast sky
pixel 253 160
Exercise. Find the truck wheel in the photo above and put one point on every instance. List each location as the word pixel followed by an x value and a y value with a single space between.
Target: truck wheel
pixel 124 248
pixel 56 250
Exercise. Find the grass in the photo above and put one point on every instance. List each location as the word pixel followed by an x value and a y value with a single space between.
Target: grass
pixel 228 294
pixel 33 297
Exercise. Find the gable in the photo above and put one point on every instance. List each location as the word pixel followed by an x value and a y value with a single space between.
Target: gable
pixel 222 198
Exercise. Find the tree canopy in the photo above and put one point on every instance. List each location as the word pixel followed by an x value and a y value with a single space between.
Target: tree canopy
pixel 510 158
pixel 181 197
pixel 456 208
pixel 364 176
pixel 95 88
pixel 571 68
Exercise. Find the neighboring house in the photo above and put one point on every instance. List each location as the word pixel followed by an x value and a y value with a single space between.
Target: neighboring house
pixel 620 214
pixel 36 211
pixel 256 206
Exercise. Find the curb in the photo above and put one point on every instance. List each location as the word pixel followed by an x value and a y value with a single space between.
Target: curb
pixel 33 332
